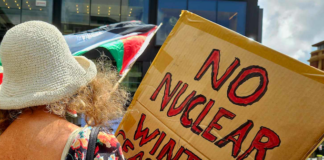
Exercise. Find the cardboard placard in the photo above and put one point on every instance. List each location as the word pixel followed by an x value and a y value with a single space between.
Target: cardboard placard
pixel 214 94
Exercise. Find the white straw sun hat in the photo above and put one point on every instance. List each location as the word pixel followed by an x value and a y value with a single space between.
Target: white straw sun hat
pixel 38 67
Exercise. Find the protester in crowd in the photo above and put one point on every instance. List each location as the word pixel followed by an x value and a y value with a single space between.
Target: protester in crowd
pixel 111 130
pixel 41 81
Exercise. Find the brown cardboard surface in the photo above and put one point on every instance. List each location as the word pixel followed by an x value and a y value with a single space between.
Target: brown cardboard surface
pixel 287 110
pixel 153 124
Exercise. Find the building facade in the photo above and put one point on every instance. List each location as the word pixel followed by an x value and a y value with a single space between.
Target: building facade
pixel 70 16
pixel 317 60
pixel 317 56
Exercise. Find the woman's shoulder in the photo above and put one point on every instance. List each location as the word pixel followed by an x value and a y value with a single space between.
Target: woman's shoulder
pixel 107 145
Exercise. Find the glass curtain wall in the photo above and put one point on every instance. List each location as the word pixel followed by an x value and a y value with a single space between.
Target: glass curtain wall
pixel 135 10
pixel 105 12
pixel 168 14
pixel 80 15
pixel 75 16
pixel 10 13
pixel 32 10
pixel 204 8
pixel 13 12
pixel 230 14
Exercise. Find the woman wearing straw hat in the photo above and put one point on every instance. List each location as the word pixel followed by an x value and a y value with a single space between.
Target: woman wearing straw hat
pixel 41 81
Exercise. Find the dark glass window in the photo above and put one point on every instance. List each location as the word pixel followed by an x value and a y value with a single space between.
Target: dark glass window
pixel 14 12
pixel 232 14
pixel 10 14
pixel 34 10
pixel 204 8
pixel 134 77
pixel 135 10
pixel 168 14
pixel 105 12
pixel 80 15
pixel 75 16
pixel 321 47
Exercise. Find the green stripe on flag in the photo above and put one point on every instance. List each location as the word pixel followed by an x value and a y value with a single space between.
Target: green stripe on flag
pixel 116 49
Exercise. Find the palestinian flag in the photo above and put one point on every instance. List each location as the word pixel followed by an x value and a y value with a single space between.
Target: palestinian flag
pixel 125 41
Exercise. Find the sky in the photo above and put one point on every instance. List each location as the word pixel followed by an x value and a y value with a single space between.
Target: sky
pixel 292 26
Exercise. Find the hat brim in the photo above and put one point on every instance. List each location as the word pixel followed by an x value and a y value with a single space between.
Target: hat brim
pixel 88 66
pixel 47 97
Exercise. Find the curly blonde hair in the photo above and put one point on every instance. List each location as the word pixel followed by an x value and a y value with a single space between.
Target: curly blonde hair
pixel 99 102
